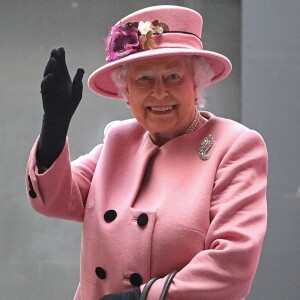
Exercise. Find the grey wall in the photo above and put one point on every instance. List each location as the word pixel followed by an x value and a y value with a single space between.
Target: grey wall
pixel 271 104
pixel 39 257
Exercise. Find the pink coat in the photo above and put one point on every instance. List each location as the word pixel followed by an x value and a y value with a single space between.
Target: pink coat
pixel 149 210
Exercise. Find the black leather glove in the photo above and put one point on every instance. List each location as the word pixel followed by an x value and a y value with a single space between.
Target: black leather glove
pixel 60 97
pixel 133 294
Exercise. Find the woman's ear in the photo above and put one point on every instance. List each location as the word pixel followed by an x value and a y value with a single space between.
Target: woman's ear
pixel 126 93
pixel 126 89
pixel 196 96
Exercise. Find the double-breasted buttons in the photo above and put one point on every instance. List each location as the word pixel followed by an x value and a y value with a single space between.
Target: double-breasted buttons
pixel 110 215
pixel 142 220
pixel 100 272
pixel 136 279
pixel 31 192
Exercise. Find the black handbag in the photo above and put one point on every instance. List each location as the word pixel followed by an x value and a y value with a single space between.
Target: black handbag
pixel 165 287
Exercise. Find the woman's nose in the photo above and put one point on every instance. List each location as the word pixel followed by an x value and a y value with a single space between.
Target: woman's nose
pixel 159 91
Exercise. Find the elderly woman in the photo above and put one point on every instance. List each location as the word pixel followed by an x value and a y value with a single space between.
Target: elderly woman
pixel 173 202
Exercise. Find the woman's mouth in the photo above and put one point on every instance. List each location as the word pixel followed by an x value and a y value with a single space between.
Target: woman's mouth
pixel 162 109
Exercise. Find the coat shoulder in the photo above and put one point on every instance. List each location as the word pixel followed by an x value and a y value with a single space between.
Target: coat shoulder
pixel 227 133
pixel 231 129
pixel 124 128
pixel 231 126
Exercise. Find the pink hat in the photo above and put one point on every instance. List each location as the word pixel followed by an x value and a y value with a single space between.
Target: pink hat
pixel 155 31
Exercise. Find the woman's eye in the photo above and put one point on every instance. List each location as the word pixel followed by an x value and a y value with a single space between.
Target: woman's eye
pixel 144 78
pixel 173 77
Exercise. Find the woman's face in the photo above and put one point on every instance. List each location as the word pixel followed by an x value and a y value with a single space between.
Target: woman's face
pixel 161 95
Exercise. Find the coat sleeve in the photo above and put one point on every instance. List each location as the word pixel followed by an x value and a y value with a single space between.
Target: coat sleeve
pixel 62 190
pixel 226 267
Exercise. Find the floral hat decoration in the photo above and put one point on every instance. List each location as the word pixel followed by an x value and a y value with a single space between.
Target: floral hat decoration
pixel 155 31
pixel 132 37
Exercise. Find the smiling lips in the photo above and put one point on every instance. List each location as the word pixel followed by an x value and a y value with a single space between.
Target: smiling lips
pixel 165 108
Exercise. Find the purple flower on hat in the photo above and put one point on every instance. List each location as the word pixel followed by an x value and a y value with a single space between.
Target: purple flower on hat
pixel 132 37
pixel 122 41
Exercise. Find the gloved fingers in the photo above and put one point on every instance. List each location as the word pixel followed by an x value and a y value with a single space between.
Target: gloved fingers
pixel 62 66
pixel 77 85
pixel 54 53
pixel 47 84
pixel 50 67
pixel 77 80
pixel 78 76
pixel 61 71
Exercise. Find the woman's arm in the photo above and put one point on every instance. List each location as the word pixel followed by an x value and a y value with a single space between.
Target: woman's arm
pixel 62 190
pixel 61 97
pixel 238 214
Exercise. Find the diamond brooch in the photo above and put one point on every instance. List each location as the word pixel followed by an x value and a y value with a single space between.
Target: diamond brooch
pixel 205 146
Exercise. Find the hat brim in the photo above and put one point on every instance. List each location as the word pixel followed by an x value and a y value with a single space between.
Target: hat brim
pixel 101 83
